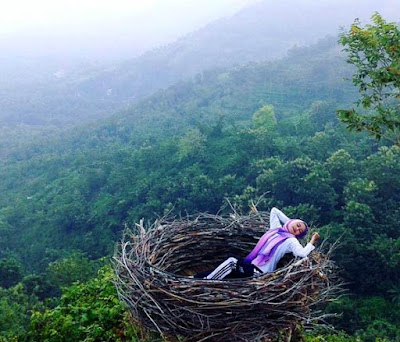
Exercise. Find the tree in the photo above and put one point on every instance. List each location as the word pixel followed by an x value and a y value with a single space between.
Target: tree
pixel 10 272
pixel 264 118
pixel 191 144
pixel 15 309
pixel 87 311
pixel 300 181
pixel 321 113
pixel 264 122
pixel 75 267
pixel 375 52
pixel 341 167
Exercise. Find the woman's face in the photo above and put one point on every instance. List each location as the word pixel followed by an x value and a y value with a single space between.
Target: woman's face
pixel 297 227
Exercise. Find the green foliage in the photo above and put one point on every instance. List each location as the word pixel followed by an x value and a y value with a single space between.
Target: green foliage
pixel 15 306
pixel 322 113
pixel 264 132
pixel 359 217
pixel 342 168
pixel 340 337
pixel 382 168
pixel 246 199
pixel 375 52
pixel 87 312
pixel 10 272
pixel 304 210
pixel 187 149
pixel 39 286
pixel 369 319
pixel 73 268
pixel 264 119
pixel 299 181
pixel 191 145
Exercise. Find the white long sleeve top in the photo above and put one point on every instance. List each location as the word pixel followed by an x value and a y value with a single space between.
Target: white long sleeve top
pixel 291 245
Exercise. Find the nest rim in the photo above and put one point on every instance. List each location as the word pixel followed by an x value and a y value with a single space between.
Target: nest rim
pixel 145 263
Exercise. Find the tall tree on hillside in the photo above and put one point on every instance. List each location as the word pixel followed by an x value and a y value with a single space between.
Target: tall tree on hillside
pixel 375 52
pixel 264 131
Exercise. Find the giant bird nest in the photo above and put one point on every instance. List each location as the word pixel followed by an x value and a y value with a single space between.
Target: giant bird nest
pixel 153 267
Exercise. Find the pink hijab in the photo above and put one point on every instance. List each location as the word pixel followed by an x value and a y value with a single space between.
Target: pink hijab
pixel 269 242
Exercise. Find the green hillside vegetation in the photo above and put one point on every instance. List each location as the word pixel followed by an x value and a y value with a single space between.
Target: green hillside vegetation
pixel 229 93
pixel 60 92
pixel 56 190
pixel 265 132
pixel 44 92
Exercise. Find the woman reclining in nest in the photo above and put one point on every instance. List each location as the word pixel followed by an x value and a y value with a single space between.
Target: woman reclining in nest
pixel 281 238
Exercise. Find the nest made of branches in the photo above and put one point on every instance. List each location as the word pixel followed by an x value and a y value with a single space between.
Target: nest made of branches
pixel 153 268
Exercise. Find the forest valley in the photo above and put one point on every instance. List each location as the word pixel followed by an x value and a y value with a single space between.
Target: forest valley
pixel 266 133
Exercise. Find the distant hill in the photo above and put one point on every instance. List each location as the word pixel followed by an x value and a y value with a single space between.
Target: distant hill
pixel 75 190
pixel 291 84
pixel 46 92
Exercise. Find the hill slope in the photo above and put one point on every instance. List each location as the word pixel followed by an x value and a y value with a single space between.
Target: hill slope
pixel 59 93
pixel 72 188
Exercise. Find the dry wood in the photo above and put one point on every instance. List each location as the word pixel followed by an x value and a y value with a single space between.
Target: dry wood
pixel 153 266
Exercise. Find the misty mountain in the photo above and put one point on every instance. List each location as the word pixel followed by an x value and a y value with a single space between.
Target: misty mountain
pixel 59 93
pixel 290 84
pixel 228 133
pixel 77 189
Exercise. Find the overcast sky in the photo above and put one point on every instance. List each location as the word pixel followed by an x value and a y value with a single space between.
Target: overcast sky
pixel 73 15
pixel 122 29
pixel 32 26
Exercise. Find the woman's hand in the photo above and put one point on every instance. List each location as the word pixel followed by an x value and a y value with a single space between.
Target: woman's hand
pixel 314 238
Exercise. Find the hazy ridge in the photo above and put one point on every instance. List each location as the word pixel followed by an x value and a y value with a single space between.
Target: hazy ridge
pixel 57 92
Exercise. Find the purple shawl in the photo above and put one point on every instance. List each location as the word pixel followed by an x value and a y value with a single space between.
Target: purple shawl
pixel 268 243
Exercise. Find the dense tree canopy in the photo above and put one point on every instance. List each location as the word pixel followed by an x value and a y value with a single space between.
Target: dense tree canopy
pixel 265 133
pixel 375 52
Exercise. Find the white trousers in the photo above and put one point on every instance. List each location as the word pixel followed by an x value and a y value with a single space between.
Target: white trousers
pixel 223 269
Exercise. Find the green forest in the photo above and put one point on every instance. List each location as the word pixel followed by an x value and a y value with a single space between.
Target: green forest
pixel 291 133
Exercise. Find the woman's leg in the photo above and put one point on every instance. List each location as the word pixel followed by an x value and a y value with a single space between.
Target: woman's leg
pixel 223 269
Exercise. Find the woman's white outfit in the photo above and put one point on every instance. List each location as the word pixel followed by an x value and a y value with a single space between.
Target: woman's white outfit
pixel 291 245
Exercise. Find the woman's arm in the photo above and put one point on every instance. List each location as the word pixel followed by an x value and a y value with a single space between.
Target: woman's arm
pixel 298 250
pixel 277 218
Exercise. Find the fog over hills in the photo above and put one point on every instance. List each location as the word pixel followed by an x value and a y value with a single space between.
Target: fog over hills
pixel 238 115
pixel 61 91
pixel 46 174
pixel 103 31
